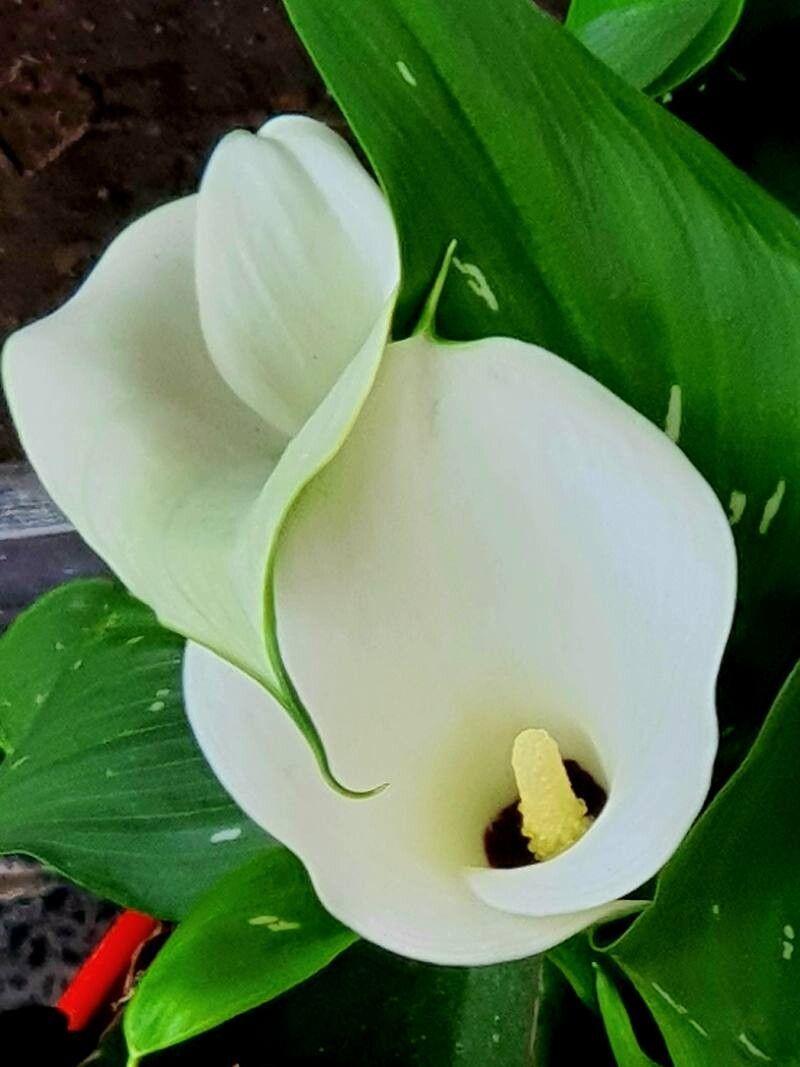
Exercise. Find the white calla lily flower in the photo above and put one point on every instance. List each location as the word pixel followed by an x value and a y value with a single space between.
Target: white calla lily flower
pixel 483 540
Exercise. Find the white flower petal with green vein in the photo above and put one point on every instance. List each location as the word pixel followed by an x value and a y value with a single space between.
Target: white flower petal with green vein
pixel 499 544
pixel 174 480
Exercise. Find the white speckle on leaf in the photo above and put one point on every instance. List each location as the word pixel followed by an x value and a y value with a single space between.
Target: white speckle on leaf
pixel 39 699
pixel 226 835
pixel 406 74
pixel 666 98
pixel 736 506
pixel 110 773
pixel 672 423
pixel 477 282
pixel 19 762
pixel 787 946
pixel 162 693
pixel 59 646
pixel 76 666
pixel 135 640
pixel 715 910
pixel 273 923
pixel 754 1050
pixel 157 705
pixel 679 1008
pixel 771 507
pixel 700 1029
pixel 495 1038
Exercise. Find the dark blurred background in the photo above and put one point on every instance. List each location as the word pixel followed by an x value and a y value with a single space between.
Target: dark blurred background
pixel 107 109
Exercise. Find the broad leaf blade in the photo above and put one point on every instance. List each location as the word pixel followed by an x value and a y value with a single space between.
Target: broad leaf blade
pixel 257 933
pixel 103 779
pixel 591 221
pixel 654 44
pixel 371 1007
pixel 714 956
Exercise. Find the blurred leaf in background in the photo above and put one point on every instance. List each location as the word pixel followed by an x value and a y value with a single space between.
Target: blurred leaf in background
pixel 654 44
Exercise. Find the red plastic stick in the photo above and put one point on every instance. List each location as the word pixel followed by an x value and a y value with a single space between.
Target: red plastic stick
pixel 104 970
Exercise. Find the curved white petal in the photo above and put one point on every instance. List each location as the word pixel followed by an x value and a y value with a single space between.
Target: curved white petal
pixel 136 436
pixel 173 480
pixel 285 306
pixel 501 543
pixel 362 871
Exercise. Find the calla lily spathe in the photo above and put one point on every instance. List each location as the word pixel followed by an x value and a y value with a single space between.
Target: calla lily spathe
pixel 483 539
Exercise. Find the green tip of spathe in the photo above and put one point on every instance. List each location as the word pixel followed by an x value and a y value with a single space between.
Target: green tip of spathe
pixel 427 320
pixel 354 794
pixel 333 781
pixel 289 698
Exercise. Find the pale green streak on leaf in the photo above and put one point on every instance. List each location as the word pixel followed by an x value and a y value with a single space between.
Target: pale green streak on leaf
pixel 606 230
pixel 654 44
pixel 714 956
pixel 627 1050
pixel 102 778
pixel 220 962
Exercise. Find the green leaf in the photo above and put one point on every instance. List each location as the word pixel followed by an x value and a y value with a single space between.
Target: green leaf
pixel 566 1032
pixel 102 778
pixel 257 933
pixel 714 957
pixel 576 959
pixel 370 1007
pixel 591 221
pixel 627 1050
pixel 654 44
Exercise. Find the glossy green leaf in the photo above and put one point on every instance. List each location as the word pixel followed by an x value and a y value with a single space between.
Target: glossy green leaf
pixel 715 956
pixel 371 1007
pixel 566 1031
pixel 627 1051
pixel 257 933
pixel 576 959
pixel 593 222
pixel 654 44
pixel 102 778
